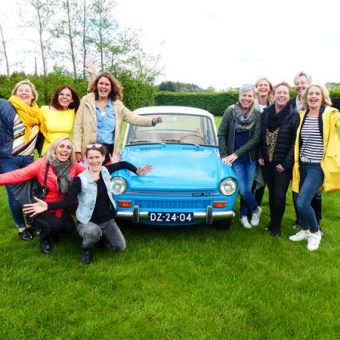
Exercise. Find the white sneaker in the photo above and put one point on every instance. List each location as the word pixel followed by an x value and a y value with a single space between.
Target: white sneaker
pixel 314 241
pixel 301 235
pixel 255 217
pixel 245 223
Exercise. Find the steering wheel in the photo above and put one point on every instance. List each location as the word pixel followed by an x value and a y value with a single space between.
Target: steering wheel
pixel 192 139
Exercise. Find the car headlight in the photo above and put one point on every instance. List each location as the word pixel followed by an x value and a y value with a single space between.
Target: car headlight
pixel 118 185
pixel 228 186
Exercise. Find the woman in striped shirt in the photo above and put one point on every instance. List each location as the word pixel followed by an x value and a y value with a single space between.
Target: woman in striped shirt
pixel 20 122
pixel 317 163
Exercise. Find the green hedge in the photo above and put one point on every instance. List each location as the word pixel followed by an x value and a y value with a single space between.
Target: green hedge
pixel 335 93
pixel 136 93
pixel 216 103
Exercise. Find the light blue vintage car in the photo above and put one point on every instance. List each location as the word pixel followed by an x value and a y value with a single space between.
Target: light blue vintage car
pixel 188 184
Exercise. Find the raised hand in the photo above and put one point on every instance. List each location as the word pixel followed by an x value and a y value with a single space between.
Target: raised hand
pixel 143 170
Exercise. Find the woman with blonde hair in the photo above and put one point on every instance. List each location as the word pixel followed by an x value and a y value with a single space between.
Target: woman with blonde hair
pixel 96 208
pixel 316 159
pixel 264 94
pixel 61 167
pixel 20 123
pixel 264 98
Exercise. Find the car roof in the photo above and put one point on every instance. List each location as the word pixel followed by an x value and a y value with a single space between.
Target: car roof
pixel 173 109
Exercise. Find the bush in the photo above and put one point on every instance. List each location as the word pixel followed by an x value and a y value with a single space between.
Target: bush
pixel 136 93
pixel 216 103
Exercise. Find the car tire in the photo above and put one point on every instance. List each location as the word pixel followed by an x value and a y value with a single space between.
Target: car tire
pixel 223 224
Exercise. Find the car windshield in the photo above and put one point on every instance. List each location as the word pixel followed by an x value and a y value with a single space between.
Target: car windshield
pixel 174 128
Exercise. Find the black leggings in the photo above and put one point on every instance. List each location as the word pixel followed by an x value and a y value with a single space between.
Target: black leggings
pixel 52 225
pixel 277 183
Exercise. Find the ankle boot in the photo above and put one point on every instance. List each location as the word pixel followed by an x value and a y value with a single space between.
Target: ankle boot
pixel 45 245
pixel 86 257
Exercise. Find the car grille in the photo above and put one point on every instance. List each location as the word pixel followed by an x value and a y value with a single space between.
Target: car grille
pixel 167 204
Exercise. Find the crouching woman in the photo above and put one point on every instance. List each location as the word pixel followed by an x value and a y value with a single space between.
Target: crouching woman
pixel 96 208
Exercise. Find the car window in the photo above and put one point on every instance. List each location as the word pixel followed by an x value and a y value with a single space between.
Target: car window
pixel 175 128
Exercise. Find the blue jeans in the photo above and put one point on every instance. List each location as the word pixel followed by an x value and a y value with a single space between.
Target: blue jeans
pixel 311 178
pixel 245 172
pixel 316 205
pixel 8 164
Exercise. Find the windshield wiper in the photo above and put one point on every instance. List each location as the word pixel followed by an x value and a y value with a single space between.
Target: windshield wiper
pixel 171 140
pixel 188 143
pixel 147 141
pixel 139 141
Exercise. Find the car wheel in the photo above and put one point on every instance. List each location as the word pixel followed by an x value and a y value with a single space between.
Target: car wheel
pixel 223 224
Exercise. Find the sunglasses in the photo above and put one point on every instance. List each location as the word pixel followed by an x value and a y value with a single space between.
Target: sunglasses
pixel 91 146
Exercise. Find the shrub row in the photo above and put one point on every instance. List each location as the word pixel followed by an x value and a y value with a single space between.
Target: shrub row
pixel 214 102
pixel 136 93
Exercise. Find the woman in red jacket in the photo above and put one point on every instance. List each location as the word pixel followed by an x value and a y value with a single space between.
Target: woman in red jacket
pixel 63 168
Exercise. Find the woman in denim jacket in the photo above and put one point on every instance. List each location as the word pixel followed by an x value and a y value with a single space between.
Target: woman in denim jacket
pixel 96 208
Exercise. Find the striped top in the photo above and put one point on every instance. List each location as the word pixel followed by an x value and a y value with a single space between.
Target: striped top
pixel 20 147
pixel 312 144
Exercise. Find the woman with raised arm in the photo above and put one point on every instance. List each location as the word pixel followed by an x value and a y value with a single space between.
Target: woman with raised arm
pixel 101 114
pixel 61 166
pixel 96 207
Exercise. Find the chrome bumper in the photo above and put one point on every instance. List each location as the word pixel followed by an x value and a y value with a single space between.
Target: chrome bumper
pixel 208 216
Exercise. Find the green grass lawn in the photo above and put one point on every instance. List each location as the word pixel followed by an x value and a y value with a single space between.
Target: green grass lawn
pixel 180 283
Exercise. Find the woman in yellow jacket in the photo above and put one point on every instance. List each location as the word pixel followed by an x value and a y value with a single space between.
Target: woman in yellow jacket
pixel 317 159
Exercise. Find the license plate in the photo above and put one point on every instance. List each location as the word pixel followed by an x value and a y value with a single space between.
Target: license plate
pixel 171 217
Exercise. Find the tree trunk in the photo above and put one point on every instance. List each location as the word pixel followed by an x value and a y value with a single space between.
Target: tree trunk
pixel 71 39
pixel 5 51
pixel 42 47
pixel 101 47
pixel 84 42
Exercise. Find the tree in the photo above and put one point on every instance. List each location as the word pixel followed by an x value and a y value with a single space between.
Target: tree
pixel 84 35
pixel 4 51
pixel 42 18
pixel 103 27
pixel 90 31
pixel 179 87
pixel 68 28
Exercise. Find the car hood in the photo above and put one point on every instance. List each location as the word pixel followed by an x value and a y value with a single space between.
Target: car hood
pixel 176 167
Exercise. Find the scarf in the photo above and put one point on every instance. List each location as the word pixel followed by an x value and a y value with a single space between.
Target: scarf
pixel 62 170
pixel 275 119
pixel 30 116
pixel 243 121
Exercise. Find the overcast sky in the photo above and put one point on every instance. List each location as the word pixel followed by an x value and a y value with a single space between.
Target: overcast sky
pixel 223 43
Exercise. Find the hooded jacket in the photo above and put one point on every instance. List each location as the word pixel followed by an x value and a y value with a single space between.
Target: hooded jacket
pixel 330 162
